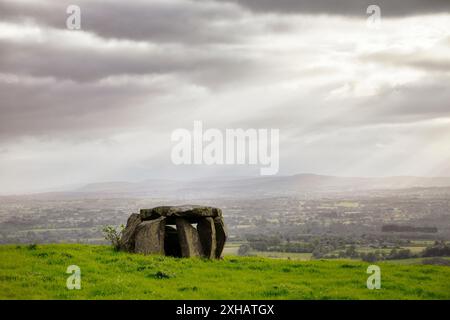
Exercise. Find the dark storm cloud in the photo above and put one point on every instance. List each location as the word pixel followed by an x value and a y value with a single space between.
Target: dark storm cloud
pixel 63 78
pixel 181 36
pixel 87 64
pixel 345 7
pixel 47 107
pixel 156 21
pixel 162 21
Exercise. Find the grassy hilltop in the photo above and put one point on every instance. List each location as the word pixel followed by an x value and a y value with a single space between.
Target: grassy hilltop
pixel 29 272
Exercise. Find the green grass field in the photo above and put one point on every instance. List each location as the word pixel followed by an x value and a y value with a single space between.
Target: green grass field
pixel 283 255
pixel 40 273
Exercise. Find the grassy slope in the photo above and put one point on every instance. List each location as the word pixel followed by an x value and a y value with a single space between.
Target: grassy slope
pixel 40 274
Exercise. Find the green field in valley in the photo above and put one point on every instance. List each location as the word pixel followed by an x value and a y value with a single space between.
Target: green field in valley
pixel 29 272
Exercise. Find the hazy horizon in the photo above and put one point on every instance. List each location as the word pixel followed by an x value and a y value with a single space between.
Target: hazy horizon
pixel 82 186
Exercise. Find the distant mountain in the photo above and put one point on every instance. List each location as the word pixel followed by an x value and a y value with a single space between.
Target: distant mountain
pixel 260 186
pixel 303 185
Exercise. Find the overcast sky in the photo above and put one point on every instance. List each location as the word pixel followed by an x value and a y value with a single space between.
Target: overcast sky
pixel 100 103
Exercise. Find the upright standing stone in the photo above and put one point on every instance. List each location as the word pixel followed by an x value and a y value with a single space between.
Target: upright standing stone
pixel 189 239
pixel 150 237
pixel 221 235
pixel 207 233
pixel 127 240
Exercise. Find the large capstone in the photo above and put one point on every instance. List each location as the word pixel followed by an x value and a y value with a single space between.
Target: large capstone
pixel 180 231
pixel 189 212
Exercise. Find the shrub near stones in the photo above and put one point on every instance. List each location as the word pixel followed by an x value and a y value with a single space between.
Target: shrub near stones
pixel 169 230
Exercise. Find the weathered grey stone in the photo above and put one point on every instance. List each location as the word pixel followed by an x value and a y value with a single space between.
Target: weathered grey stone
pixel 207 233
pixel 189 239
pixel 190 212
pixel 221 235
pixel 149 232
pixel 127 240
pixel 150 237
